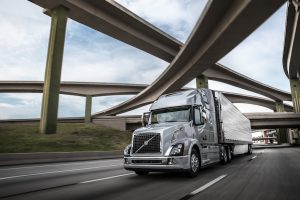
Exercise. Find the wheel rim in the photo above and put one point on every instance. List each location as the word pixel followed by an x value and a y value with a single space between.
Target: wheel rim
pixel 194 163
pixel 225 156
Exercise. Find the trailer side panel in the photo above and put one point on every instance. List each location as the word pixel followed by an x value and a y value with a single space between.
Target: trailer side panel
pixel 236 128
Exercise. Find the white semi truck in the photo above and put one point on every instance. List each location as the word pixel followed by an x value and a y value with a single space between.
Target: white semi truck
pixel 188 130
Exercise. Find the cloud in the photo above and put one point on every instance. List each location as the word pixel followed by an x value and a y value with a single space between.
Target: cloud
pixel 104 59
pixel 20 106
pixel 23 36
pixel 177 18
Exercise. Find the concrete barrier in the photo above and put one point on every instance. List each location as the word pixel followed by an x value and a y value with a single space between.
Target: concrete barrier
pixel 272 146
pixel 48 157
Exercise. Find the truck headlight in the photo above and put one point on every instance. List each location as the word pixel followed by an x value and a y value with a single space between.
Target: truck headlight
pixel 177 150
pixel 127 150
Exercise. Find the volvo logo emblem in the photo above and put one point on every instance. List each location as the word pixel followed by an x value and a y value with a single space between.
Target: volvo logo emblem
pixel 146 143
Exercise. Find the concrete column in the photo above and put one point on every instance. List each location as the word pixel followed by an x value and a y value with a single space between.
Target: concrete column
pixel 201 82
pixel 53 70
pixel 282 133
pixel 88 109
pixel 295 90
pixel 279 106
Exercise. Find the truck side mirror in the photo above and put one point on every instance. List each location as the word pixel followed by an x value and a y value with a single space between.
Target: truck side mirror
pixel 197 116
pixel 203 117
pixel 145 118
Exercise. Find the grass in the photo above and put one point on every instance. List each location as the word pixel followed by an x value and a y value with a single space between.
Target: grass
pixel 23 138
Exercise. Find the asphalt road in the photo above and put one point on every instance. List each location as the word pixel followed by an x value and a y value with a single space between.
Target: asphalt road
pixel 266 174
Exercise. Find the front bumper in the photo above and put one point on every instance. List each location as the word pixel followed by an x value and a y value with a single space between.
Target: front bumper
pixel 169 163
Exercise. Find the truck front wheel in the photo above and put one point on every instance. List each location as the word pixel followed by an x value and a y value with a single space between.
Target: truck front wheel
pixel 194 163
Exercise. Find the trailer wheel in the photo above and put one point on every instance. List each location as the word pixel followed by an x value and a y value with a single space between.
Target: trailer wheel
pixel 141 173
pixel 194 163
pixel 229 155
pixel 224 158
pixel 249 149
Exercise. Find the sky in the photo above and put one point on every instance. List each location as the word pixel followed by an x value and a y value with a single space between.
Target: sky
pixel 90 56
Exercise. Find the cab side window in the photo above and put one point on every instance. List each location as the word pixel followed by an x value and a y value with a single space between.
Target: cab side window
pixel 197 116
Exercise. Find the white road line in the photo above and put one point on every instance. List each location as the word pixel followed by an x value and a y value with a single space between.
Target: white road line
pixel 208 185
pixel 253 157
pixel 54 172
pixel 73 163
pixel 101 179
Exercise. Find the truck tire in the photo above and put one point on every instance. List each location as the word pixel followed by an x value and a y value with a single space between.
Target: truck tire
pixel 249 149
pixel 224 158
pixel 229 154
pixel 141 173
pixel 194 163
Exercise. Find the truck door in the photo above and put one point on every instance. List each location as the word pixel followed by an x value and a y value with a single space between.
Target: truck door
pixel 202 134
pixel 210 124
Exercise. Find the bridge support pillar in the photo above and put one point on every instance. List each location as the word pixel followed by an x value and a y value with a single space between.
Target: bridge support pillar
pixel 279 106
pixel 282 133
pixel 88 109
pixel 295 90
pixel 201 82
pixel 53 70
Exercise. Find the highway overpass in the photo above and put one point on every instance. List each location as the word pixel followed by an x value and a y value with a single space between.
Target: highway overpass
pixel 132 122
pixel 201 51
pixel 106 89
pixel 274 120
pixel 257 120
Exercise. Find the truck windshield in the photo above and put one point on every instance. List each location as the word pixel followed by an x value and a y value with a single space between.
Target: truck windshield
pixel 170 115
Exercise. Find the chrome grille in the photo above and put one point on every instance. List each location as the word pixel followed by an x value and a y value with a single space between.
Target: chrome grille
pixel 140 144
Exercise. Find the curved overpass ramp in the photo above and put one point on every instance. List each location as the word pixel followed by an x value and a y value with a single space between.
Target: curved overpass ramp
pixel 202 48
pixel 73 88
pixel 218 72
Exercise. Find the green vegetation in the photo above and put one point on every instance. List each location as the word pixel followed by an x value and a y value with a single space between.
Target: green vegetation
pixel 21 138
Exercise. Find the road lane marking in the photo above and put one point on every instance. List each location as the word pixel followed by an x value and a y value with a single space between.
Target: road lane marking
pixel 252 158
pixel 207 185
pixel 101 179
pixel 54 172
pixel 65 185
pixel 204 187
pixel 39 190
pixel 73 163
